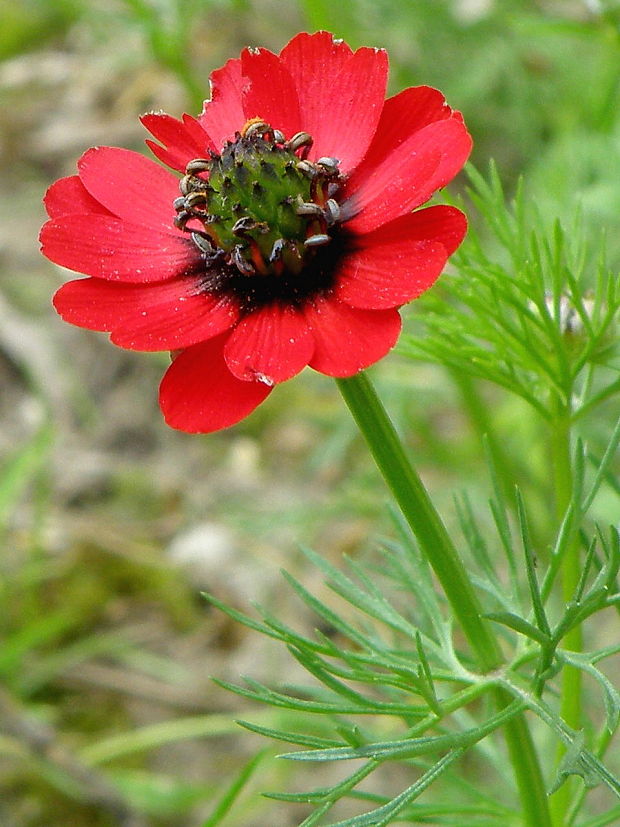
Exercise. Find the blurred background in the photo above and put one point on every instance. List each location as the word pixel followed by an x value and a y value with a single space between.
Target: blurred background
pixel 111 524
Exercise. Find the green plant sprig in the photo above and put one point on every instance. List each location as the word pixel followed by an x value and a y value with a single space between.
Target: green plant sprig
pixel 536 315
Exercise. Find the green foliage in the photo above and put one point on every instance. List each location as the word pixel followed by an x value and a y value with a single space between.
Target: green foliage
pixel 28 24
pixel 537 316
pixel 231 794
pixel 399 668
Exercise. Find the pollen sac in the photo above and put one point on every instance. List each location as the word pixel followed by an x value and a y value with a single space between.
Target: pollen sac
pixel 261 202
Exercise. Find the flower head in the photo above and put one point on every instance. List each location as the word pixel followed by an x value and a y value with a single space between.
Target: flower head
pixel 291 238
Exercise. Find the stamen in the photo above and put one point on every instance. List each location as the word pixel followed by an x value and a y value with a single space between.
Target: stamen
pixel 255 126
pixel 318 190
pixel 299 140
pixel 243 225
pixel 307 168
pixel 317 240
pixel 275 257
pixel 186 184
pixel 195 199
pixel 332 211
pixel 203 242
pixel 257 257
pixel 276 250
pixel 198 165
pixel 328 165
pixel 309 208
pixel 181 220
pixel 241 263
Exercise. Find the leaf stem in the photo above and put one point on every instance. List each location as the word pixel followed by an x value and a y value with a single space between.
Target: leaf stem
pixel 570 702
pixel 435 543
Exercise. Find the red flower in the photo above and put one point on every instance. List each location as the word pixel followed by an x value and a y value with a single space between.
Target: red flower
pixel 290 240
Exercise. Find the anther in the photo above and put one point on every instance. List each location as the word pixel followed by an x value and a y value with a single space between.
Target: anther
pixel 329 165
pixel 300 139
pixel 203 243
pixel 241 263
pixel 276 250
pixel 309 208
pixel 307 169
pixel 186 184
pixel 276 261
pixel 198 165
pixel 244 224
pixel 317 240
pixel 278 136
pixel 195 199
pixel 181 220
pixel 256 127
pixel 332 211
pixel 179 203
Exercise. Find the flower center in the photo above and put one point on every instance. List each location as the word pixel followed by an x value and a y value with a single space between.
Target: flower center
pixel 261 206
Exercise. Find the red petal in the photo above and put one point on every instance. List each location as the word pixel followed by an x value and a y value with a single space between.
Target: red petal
pixel 223 115
pixel 271 94
pixel 129 185
pixel 402 115
pixel 170 159
pixel 195 130
pixel 440 223
pixel 103 246
pixel 198 393
pixel 347 339
pixel 340 94
pixel 67 196
pixel 166 316
pixel 397 262
pixel 271 345
pixel 389 275
pixel 313 59
pixel 181 144
pixel 424 163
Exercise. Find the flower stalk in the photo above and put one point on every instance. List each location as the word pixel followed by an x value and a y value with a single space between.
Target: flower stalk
pixel 415 503
pixel 435 543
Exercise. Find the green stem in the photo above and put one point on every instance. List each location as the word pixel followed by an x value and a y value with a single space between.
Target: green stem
pixel 435 543
pixel 599 749
pixel 415 503
pixel 570 701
